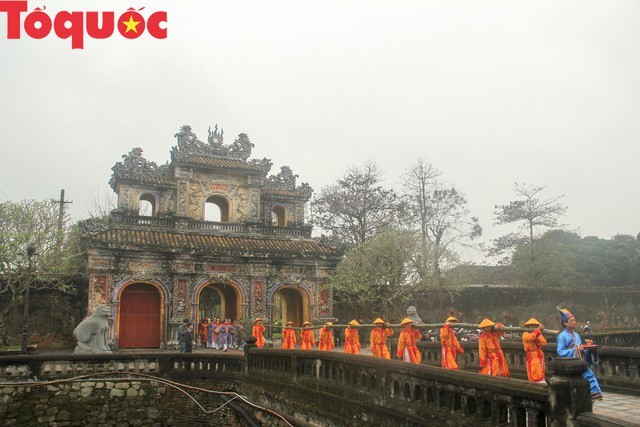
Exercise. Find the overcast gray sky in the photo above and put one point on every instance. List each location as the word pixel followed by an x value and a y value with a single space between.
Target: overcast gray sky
pixel 490 92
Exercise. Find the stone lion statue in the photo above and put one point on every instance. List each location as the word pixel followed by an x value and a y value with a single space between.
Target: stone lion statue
pixel 92 332
pixel 412 314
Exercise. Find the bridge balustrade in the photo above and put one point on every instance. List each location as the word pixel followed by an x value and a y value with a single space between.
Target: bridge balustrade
pixel 618 370
pixel 378 391
pixel 415 390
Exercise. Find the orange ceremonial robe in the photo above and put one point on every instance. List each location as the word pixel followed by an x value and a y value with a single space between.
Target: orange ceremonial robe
pixel 288 338
pixel 351 341
pixel 492 360
pixel 307 340
pixel 326 339
pixel 257 331
pixel 533 342
pixel 378 341
pixel 450 348
pixel 407 349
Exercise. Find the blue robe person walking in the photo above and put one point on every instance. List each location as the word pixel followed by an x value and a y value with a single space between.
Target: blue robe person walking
pixel 570 345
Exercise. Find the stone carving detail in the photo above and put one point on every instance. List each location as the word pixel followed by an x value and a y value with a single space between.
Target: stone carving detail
pixel 216 138
pixel 264 165
pixel 188 144
pixel 134 165
pixel 92 332
pixel 92 226
pixel 183 187
pixel 304 190
pixel 332 241
pixel 286 180
pixel 254 206
pixel 412 314
pixel 258 298
pixel 241 147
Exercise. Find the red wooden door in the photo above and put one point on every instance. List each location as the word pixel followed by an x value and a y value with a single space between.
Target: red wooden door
pixel 139 317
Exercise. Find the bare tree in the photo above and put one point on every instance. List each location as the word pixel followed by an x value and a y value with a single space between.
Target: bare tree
pixel 100 203
pixel 356 206
pixel 419 182
pixel 442 219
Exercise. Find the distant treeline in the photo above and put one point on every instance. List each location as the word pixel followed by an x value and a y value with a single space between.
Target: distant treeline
pixel 563 259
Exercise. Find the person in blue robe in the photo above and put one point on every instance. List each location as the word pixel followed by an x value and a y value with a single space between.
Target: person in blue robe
pixel 223 335
pixel 570 345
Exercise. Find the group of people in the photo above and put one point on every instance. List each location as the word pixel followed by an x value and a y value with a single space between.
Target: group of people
pixel 221 334
pixel 491 357
pixel 213 333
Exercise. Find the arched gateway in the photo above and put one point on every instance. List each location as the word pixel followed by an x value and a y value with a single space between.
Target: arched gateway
pixel 218 298
pixel 254 258
pixel 139 318
pixel 290 304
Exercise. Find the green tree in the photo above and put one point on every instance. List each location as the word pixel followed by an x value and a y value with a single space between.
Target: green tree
pixel 356 206
pixel 378 276
pixel 33 223
pixel 532 213
pixel 565 259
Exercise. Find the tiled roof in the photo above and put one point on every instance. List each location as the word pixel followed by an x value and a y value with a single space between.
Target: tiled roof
pixel 219 162
pixel 279 192
pixel 129 238
pixel 166 181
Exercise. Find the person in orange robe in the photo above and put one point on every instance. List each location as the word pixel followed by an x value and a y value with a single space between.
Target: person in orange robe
pixel 533 342
pixel 450 345
pixel 307 340
pixel 407 349
pixel 378 339
pixel 257 331
pixel 351 340
pixel 288 336
pixel 326 337
pixel 203 331
pixel 492 360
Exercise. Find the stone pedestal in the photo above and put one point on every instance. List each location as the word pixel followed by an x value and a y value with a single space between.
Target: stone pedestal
pixel 569 394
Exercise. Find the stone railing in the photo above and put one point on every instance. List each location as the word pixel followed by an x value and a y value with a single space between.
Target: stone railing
pixel 47 367
pixel 615 338
pixel 373 387
pixel 618 369
pixel 186 223
pixel 327 388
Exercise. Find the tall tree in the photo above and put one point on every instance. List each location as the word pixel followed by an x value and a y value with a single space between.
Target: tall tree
pixel 356 206
pixel 442 219
pixel 533 213
pixel 34 224
pixel 419 182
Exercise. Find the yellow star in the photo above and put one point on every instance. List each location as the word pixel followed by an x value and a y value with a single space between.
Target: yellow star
pixel 131 25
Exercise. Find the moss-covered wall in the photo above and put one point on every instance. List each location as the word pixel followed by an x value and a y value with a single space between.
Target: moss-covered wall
pixel 605 308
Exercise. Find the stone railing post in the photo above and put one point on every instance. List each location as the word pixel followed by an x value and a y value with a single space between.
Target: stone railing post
pixel 569 394
pixel 249 345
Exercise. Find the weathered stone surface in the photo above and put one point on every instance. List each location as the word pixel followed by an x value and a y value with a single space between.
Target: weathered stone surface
pixel 63 415
pixel 116 392
pixel 92 332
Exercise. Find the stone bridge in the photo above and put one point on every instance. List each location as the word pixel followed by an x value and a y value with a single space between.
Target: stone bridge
pixel 295 387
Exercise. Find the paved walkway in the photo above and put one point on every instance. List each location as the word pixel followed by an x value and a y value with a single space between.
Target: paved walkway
pixel 619 406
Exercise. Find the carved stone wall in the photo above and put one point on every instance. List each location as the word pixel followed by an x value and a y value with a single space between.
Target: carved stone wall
pixel 233 189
